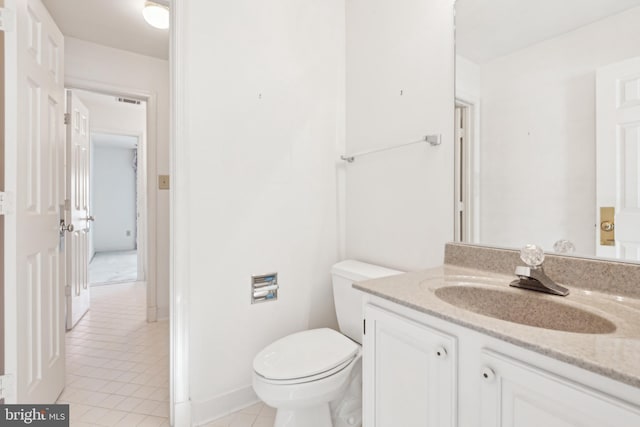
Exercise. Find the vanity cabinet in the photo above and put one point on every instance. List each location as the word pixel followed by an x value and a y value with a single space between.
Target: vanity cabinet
pixel 423 371
pixel 409 372
pixel 515 393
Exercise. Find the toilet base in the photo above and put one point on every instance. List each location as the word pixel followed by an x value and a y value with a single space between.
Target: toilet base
pixel 314 416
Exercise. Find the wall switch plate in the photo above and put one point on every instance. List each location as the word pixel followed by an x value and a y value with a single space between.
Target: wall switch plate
pixel 163 182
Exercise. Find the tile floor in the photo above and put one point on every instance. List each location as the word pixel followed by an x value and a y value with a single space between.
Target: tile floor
pixel 117 363
pixel 258 415
pixel 113 267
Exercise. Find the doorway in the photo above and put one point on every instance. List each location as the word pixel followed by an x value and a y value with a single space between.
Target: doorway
pixel 113 254
pixel 35 276
pixel 117 192
pixel 467 172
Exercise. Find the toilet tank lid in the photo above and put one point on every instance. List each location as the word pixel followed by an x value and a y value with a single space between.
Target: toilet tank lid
pixel 358 270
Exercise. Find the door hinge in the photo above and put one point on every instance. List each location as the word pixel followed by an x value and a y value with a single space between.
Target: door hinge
pixel 6 203
pixel 7 20
pixel 364 326
pixel 67 291
pixel 67 118
pixel 6 387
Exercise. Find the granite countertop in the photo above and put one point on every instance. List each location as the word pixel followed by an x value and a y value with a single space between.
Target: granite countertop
pixel 615 355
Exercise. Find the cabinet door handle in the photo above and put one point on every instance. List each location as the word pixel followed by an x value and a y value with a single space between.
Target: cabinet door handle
pixel 441 353
pixel 488 374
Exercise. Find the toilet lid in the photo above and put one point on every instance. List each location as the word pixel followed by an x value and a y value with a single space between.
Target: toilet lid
pixel 304 354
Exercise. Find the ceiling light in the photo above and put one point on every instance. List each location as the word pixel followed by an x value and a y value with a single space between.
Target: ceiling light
pixel 156 15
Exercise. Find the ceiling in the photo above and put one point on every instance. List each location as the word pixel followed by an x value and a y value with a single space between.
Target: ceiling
pixel 114 23
pixel 488 29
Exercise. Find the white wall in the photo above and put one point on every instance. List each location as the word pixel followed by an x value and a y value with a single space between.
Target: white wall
pixel 88 65
pixel 114 199
pixel 264 99
pixel 467 79
pixel 538 135
pixel 400 87
pixel 111 116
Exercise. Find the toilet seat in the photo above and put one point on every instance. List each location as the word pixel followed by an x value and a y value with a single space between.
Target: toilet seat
pixel 311 378
pixel 305 356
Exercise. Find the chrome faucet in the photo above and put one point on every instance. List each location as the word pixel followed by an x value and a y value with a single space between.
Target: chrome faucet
pixel 533 276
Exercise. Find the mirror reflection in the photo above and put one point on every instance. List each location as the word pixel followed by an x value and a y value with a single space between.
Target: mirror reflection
pixel 548 125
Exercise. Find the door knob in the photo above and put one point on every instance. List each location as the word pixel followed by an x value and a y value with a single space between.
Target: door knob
pixel 64 227
pixel 607 226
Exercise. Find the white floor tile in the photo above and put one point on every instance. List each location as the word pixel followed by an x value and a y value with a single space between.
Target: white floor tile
pixel 264 422
pixel 252 416
pixel 267 411
pixel 109 349
pixel 151 421
pixel 243 420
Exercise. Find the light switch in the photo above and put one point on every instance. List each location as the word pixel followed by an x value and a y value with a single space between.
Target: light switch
pixel 163 182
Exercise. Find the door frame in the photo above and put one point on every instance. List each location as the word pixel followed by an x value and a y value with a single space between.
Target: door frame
pixel 10 222
pixel 472 187
pixel 2 166
pixel 149 166
pixel 179 280
pixel 141 198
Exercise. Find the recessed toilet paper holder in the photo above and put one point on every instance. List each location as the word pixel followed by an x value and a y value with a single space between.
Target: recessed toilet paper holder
pixel 264 287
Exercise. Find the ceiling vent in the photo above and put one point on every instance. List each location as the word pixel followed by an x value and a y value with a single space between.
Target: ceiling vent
pixel 128 100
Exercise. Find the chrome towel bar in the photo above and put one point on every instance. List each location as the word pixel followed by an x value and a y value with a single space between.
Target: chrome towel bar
pixel 433 140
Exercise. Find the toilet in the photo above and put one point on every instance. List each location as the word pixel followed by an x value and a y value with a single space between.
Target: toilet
pixel 314 378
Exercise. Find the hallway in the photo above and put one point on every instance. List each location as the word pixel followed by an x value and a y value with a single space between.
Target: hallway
pixel 117 363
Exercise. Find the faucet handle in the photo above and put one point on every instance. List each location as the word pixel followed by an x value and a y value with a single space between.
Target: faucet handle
pixel 532 255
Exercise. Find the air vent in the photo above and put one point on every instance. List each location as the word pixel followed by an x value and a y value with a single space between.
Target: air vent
pixel 128 101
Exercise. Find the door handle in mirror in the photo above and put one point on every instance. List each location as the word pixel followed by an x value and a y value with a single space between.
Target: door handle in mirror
pixel 607 226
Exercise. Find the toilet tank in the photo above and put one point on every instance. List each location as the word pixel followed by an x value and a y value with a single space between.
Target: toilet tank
pixel 348 300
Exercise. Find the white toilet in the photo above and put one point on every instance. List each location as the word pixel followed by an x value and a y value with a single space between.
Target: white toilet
pixel 314 378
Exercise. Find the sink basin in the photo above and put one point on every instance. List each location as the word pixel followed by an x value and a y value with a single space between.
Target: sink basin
pixel 525 308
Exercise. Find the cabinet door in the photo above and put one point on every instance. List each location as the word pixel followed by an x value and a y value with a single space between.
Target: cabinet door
pixel 516 394
pixel 409 373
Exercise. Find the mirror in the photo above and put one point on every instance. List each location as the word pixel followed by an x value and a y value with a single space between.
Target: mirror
pixel 548 125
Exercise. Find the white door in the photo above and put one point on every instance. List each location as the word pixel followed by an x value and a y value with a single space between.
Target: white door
pixel 618 155
pixel 77 212
pixel 34 273
pixel 409 373
pixel 516 394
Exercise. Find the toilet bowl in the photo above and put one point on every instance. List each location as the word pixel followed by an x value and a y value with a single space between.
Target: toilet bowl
pixel 313 378
pixel 302 373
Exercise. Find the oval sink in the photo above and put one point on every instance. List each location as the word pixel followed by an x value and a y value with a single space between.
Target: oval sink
pixel 526 309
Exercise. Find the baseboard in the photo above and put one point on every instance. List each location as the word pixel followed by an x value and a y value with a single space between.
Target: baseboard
pixel 182 414
pixel 204 411
pixel 152 314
